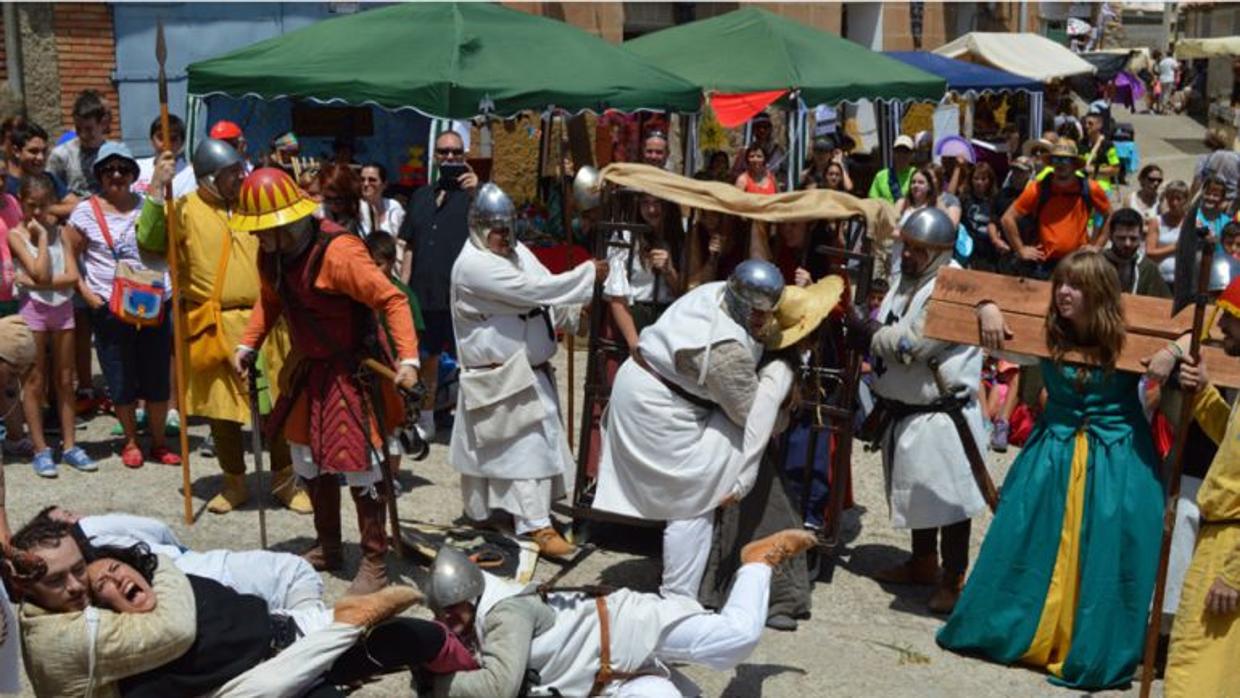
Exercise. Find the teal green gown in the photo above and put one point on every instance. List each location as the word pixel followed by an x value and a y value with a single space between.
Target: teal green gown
pixel 1066 572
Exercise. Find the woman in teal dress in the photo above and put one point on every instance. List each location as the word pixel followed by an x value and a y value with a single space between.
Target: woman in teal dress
pixel 1066 572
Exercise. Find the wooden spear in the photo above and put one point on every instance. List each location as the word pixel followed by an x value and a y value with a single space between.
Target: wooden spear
pixel 1154 625
pixel 178 317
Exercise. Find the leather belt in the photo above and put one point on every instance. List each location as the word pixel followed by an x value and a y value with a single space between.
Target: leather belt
pixel 1220 522
pixel 544 366
pixel 605 673
pixel 679 391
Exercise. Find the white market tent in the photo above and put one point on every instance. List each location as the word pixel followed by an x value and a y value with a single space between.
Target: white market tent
pixel 1027 55
pixel 1207 48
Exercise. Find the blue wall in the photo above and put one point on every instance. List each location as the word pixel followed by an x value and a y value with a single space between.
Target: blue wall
pixel 194 32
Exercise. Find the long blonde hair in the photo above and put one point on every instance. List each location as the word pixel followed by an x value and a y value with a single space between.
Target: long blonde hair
pixel 1104 333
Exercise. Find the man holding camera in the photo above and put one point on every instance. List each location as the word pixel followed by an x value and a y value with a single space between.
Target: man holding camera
pixel 434 231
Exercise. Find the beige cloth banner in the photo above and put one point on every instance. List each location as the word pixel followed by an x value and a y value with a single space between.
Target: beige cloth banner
pixel 811 205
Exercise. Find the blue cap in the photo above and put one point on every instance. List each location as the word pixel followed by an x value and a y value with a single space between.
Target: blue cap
pixel 114 149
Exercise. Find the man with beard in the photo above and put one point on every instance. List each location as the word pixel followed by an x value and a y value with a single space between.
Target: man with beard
pixel 1137 274
pixel 507 441
pixel 328 289
pixel 218 266
pixel 930 485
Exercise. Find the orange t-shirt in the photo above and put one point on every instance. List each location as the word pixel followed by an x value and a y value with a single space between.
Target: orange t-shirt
pixel 1064 219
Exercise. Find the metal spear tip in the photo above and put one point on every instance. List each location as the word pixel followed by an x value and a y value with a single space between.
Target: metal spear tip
pixel 161 46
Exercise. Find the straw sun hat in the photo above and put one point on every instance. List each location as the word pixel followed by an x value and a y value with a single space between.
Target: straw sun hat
pixel 801 310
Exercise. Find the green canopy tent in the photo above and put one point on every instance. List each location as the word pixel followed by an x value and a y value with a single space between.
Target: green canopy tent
pixel 446 60
pixel 752 50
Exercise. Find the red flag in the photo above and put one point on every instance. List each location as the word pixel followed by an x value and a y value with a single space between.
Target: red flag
pixel 732 110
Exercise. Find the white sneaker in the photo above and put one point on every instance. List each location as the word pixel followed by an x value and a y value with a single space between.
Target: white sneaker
pixel 426 425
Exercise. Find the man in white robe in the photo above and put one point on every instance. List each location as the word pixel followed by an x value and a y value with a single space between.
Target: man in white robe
pixel 675 421
pixel 507 441
pixel 559 637
pixel 930 486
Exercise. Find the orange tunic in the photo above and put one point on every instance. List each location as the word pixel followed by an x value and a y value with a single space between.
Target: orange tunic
pixel 347 270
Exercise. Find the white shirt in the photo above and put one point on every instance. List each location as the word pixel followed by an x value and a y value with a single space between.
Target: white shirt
pixel 637 285
pixel 182 183
pixel 389 219
pixel 1166 69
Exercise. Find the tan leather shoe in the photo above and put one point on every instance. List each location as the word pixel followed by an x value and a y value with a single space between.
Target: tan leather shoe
pixel 284 488
pixel 916 571
pixel 778 547
pixel 946 596
pixel 551 543
pixel 365 610
pixel 231 497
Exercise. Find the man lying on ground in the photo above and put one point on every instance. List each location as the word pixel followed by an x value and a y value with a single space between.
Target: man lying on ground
pixel 577 642
pixel 128 622
pixel 285 581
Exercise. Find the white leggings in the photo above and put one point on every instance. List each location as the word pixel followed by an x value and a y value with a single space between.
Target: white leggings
pixel 722 640
pixel 686 550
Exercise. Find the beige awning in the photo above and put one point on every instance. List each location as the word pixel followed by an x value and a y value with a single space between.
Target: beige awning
pixel 1027 55
pixel 812 205
pixel 1207 48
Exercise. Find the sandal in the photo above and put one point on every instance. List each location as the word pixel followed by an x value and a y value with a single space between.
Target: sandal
pixel 164 456
pixel 131 456
pixel 488 557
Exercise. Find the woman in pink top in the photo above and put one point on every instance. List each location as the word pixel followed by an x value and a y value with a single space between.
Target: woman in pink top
pixel 756 178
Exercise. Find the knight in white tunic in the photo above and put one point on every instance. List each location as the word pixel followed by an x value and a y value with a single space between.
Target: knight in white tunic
pixel 507 441
pixel 675 423
pixel 930 486
pixel 586 641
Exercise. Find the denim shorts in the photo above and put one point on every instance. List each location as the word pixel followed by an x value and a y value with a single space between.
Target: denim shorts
pixel 134 361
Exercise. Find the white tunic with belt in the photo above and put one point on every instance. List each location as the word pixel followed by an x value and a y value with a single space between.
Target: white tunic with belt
pixel 929 482
pixel 566 656
pixel 507 415
pixel 663 456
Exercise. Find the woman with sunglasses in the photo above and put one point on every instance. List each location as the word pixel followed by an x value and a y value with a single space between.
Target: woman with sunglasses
pixel 102 232
pixel 1144 200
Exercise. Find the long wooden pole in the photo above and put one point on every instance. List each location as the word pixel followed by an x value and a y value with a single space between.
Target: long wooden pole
pixel 178 316
pixel 1153 628
pixel 566 220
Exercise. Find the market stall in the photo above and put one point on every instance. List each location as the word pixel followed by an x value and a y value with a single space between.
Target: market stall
pixel 751 51
pixel 385 74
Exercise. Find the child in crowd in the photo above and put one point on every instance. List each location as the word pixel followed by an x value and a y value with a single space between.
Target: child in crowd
pixel 46 277
pixel 1231 239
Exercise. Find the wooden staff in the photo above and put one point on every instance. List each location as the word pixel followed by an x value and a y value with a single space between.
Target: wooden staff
pixel 1177 467
pixel 179 347
pixel 566 221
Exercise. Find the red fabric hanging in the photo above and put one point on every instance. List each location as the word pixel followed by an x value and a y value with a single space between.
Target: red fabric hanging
pixel 732 110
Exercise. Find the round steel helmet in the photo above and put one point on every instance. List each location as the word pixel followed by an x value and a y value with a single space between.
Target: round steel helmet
pixel 929 227
pixel 211 156
pixel 586 188
pixel 454 579
pixel 269 199
pixel 754 285
pixel 491 210
pixel 1222 271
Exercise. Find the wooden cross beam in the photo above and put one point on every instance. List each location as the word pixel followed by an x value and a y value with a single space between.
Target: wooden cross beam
pixel 952 318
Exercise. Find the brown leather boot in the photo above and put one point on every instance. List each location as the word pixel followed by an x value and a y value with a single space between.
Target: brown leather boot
pixel 551 543
pixel 324 493
pixel 916 571
pixel 778 547
pixel 372 572
pixel 945 597
pixel 368 609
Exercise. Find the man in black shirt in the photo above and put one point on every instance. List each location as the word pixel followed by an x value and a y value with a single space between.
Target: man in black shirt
pixel 434 230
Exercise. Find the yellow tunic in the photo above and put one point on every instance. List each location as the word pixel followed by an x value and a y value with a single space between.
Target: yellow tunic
pixel 217 392
pixel 1205 648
